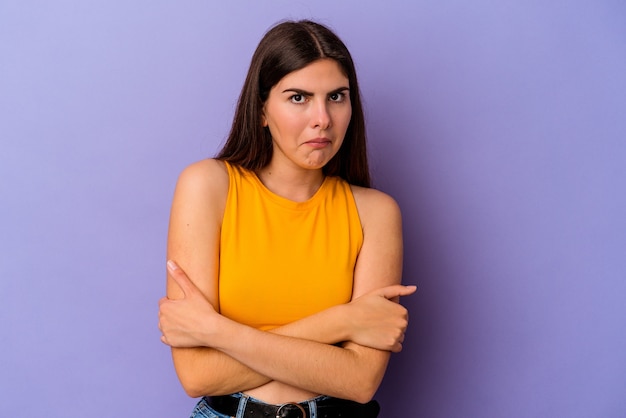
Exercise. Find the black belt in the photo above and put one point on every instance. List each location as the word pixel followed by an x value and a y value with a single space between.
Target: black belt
pixel 326 408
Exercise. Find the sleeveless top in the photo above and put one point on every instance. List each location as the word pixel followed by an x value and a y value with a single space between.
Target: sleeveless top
pixel 282 260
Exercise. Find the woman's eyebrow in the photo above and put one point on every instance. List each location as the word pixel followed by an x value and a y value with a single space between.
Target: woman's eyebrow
pixel 339 90
pixel 298 91
pixel 308 93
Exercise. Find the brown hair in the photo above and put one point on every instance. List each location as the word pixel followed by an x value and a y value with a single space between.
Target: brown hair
pixel 287 47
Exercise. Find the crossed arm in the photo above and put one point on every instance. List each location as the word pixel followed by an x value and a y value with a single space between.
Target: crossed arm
pixel 214 355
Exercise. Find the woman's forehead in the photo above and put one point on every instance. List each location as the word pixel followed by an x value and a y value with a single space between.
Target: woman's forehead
pixel 323 74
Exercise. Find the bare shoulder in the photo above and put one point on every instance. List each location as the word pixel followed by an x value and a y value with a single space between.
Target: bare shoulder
pixel 201 192
pixel 375 207
pixel 207 175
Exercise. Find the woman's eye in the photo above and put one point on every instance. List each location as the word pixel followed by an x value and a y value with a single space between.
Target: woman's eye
pixel 298 98
pixel 337 97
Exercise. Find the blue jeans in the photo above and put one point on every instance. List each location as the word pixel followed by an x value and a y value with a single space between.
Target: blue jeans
pixel 202 410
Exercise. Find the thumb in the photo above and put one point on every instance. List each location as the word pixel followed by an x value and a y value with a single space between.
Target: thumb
pixel 396 290
pixel 180 277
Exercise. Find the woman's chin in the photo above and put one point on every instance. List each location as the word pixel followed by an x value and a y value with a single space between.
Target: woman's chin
pixel 317 160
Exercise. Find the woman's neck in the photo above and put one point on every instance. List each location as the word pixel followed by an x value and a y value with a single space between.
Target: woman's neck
pixel 295 184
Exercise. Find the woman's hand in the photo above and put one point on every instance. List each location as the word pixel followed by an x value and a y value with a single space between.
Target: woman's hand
pixel 378 322
pixel 186 322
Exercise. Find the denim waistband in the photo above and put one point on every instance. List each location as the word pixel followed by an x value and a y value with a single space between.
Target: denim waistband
pixel 240 405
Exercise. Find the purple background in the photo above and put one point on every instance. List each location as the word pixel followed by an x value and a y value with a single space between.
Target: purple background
pixel 500 127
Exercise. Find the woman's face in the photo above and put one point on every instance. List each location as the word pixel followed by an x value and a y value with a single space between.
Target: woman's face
pixel 308 112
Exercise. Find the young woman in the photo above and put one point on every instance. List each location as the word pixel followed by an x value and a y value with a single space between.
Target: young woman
pixel 284 265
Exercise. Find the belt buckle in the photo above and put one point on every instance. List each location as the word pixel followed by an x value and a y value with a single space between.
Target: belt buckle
pixel 302 411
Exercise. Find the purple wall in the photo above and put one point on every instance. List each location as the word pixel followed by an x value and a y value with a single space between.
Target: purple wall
pixel 499 126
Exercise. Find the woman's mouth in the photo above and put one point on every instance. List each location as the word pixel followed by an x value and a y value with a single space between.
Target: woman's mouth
pixel 318 142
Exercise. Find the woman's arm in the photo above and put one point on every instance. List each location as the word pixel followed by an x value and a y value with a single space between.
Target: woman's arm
pixel 297 362
pixel 376 320
pixel 193 241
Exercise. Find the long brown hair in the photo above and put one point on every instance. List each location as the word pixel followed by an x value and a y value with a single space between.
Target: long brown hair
pixel 287 47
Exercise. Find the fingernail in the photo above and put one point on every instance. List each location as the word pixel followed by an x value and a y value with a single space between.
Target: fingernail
pixel 171 265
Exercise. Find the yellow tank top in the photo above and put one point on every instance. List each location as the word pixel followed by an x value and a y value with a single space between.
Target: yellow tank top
pixel 282 260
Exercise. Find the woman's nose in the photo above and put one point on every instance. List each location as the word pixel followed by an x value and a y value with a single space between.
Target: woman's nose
pixel 321 117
